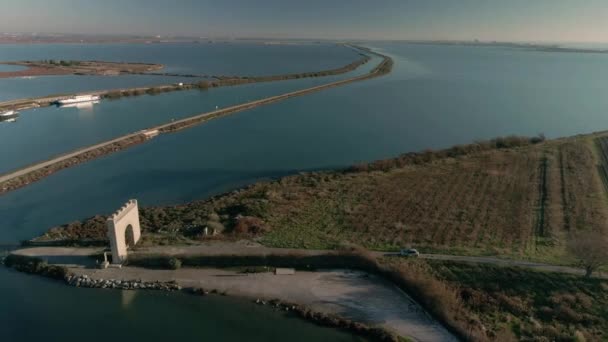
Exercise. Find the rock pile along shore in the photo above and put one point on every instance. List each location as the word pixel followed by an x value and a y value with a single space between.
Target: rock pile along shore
pixel 86 281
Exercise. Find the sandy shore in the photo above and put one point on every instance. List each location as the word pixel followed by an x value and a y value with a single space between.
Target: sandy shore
pixel 353 295
pixel 350 294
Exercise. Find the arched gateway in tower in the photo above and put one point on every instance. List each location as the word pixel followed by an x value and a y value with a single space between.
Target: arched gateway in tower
pixel 123 230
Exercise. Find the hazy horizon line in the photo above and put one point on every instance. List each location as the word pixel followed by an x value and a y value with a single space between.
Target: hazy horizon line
pixel 244 37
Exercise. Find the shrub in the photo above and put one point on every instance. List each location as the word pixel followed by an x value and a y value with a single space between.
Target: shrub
pixel 215 227
pixel 35 265
pixel 174 263
pixel 545 313
pixel 214 217
pixel 203 85
pixel 55 272
pixel 568 315
pixel 249 225
pixel 153 91
pixel 414 158
pixel 113 95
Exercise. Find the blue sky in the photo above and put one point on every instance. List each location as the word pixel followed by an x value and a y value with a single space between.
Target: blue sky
pixel 514 20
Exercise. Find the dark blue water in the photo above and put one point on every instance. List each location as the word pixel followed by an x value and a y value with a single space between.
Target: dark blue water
pixel 41 310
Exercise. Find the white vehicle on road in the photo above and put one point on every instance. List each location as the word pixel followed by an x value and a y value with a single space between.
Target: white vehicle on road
pixel 409 252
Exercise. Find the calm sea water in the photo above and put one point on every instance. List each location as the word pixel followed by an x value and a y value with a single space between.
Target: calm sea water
pixel 45 132
pixel 238 58
pixel 36 309
pixel 242 59
pixel 437 96
pixel 7 68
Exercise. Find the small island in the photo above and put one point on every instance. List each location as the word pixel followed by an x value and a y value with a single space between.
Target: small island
pixel 70 67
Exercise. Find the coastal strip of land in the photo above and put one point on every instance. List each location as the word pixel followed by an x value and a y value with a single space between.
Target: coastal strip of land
pixel 71 67
pixel 327 291
pixel 246 270
pixel 512 45
pixel 209 81
pixel 32 173
pixel 330 220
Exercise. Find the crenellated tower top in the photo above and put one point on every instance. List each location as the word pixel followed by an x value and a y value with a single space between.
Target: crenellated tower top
pixel 120 213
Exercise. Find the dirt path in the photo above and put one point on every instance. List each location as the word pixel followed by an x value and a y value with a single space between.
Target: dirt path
pixel 510 263
pixel 69 256
pixel 248 248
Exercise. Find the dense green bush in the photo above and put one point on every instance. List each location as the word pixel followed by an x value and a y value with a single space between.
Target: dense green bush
pixel 35 266
pixel 174 263
pixel 413 158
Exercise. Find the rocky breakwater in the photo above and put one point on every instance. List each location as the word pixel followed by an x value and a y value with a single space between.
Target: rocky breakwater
pixel 86 281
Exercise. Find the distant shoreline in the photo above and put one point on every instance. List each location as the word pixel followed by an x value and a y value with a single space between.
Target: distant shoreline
pixel 526 46
pixel 67 39
pixel 27 39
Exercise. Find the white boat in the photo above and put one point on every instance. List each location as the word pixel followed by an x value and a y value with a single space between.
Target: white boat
pixel 81 105
pixel 9 116
pixel 77 99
